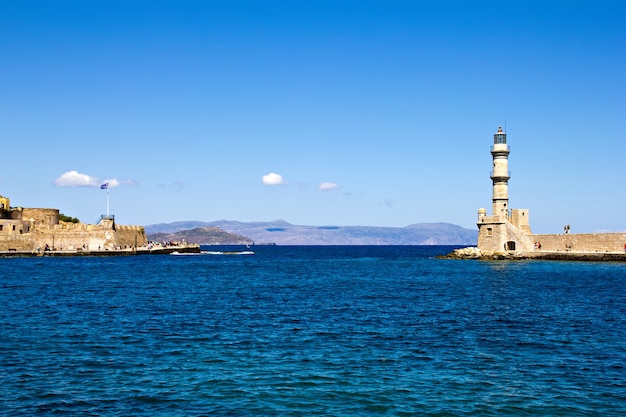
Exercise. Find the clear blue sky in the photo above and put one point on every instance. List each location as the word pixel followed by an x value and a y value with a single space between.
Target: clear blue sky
pixel 377 113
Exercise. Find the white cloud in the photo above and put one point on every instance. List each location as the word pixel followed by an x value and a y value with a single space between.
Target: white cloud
pixel 76 179
pixel 327 186
pixel 273 179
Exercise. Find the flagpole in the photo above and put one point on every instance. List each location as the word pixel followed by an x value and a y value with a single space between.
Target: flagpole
pixel 105 186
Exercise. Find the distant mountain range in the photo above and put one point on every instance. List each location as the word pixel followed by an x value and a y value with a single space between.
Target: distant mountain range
pixel 281 232
pixel 209 235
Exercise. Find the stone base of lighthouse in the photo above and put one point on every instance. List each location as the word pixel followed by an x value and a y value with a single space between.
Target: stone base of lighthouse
pixel 505 233
pixel 511 237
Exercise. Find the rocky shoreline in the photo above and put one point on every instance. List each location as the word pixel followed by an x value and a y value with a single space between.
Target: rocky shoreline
pixel 477 254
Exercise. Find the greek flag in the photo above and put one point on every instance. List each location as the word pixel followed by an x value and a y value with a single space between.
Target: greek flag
pixel 104 186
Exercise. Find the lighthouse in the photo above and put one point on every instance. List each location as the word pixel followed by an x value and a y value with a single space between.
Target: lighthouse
pixel 500 175
pixel 506 229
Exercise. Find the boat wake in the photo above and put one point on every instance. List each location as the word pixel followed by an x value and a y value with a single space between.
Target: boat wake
pixel 246 252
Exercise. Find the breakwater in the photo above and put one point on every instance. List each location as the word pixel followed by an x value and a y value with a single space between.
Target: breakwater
pixel 475 253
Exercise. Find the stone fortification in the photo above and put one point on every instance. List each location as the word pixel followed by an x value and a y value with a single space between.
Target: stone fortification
pixel 506 232
pixel 475 253
pixel 73 236
pixel 37 216
pixel 105 235
pixel 16 242
pixel 40 230
pixel 499 233
pixel 583 242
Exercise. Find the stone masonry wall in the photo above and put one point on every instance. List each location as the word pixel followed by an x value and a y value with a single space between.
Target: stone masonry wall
pixel 15 242
pixel 76 236
pixel 501 232
pixel 69 236
pixel 129 236
pixel 40 216
pixel 584 242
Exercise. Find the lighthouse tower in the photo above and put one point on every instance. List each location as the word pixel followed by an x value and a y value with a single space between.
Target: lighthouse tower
pixel 506 229
pixel 500 175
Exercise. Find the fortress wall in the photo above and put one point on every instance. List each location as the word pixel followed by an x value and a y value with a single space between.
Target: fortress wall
pixel 41 215
pixel 27 229
pixel 16 242
pixel 68 236
pixel 130 236
pixel 131 228
pixel 75 236
pixel 591 242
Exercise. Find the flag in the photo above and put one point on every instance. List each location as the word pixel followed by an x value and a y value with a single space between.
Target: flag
pixel 104 186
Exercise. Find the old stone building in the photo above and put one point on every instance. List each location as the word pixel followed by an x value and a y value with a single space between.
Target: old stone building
pixel 39 229
pixel 508 230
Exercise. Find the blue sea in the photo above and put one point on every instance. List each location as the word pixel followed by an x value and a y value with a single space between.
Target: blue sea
pixel 311 331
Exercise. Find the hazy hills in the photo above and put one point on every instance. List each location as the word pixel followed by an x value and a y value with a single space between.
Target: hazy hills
pixel 209 235
pixel 283 233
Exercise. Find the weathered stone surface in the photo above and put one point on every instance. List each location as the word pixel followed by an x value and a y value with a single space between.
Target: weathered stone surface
pixel 506 233
pixel 477 254
pixel 144 250
pixel 40 230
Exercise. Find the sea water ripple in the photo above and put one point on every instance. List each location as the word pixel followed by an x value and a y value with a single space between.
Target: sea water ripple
pixel 294 331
